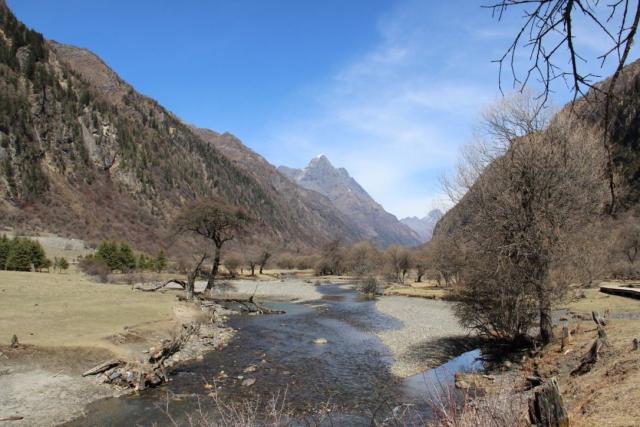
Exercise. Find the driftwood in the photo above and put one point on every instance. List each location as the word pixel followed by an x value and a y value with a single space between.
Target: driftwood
pixel 248 304
pixel 104 366
pixel 149 373
pixel 16 418
pixel 546 408
pixel 592 356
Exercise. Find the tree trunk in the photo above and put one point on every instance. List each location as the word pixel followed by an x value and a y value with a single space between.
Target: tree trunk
pixel 546 408
pixel 260 268
pixel 214 268
pixel 546 326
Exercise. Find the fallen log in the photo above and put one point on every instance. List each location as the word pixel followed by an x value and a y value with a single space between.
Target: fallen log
pixel 15 418
pixel 159 286
pixel 171 347
pixel 248 304
pixel 150 372
pixel 104 366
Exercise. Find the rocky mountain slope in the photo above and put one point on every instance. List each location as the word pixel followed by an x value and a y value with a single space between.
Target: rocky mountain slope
pixel 352 200
pixel 424 226
pixel 84 155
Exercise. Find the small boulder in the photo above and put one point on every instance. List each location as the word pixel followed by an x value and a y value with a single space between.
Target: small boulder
pixel 320 341
pixel 248 382
pixel 251 368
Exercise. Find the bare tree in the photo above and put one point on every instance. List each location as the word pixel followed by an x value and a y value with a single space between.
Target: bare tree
pixel 232 263
pixel 398 260
pixel 530 192
pixel 332 259
pixel 214 220
pixel 548 36
pixel 362 259
pixel 265 256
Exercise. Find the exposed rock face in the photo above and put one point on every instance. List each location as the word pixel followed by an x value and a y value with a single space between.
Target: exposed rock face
pixel 424 226
pixel 353 201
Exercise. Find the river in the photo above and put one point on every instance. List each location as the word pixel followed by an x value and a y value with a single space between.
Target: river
pixel 349 373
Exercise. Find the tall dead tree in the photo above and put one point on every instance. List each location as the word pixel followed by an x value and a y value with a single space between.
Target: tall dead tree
pixel 216 221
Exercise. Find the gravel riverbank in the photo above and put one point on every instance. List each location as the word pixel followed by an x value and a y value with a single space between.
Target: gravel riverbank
pixel 430 334
pixel 296 290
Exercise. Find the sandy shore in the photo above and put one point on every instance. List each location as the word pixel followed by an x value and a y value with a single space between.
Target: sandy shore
pixel 429 337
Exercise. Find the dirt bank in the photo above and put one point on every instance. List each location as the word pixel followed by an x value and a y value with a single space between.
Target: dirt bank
pixel 66 324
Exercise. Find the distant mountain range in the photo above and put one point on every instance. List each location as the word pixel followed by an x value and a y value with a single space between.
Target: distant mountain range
pixel 424 226
pixel 83 154
pixel 352 200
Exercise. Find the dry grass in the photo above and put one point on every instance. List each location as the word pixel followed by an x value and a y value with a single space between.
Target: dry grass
pixel 607 395
pixel 598 301
pixel 427 290
pixel 49 309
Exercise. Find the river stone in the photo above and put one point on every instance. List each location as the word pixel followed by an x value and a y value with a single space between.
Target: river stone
pixel 248 382
pixel 320 341
pixel 251 368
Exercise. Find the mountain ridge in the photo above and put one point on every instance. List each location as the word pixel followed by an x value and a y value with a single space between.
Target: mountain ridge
pixel 83 154
pixel 424 226
pixel 352 200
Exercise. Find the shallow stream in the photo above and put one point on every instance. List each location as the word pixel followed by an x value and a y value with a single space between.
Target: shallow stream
pixel 350 372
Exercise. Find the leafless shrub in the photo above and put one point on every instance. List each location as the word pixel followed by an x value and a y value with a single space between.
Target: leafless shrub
pixel 232 263
pixel 499 408
pixel 273 412
pixel 95 267
pixel 369 286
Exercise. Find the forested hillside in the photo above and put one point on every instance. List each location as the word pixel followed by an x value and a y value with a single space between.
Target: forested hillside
pixel 84 155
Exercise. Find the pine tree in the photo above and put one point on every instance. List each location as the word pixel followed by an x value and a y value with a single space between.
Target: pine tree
pixel 5 245
pixel 126 258
pixel 161 261
pixel 108 253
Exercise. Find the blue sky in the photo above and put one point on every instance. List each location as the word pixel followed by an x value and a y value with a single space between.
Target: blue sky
pixel 389 90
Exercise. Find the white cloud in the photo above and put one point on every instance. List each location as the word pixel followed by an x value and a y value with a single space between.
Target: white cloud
pixel 390 117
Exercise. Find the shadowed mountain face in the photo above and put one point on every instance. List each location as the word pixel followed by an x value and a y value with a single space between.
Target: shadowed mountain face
pixel 424 226
pixel 85 155
pixel 353 201
pixel 624 137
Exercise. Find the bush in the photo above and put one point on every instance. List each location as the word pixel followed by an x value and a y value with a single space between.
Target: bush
pixel 117 256
pixel 22 254
pixel 369 286
pixel 96 267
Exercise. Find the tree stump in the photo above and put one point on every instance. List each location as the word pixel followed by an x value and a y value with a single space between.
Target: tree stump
pixel 546 408
pixel 14 341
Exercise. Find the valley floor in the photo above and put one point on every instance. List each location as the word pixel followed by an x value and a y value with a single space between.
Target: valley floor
pixel 66 324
